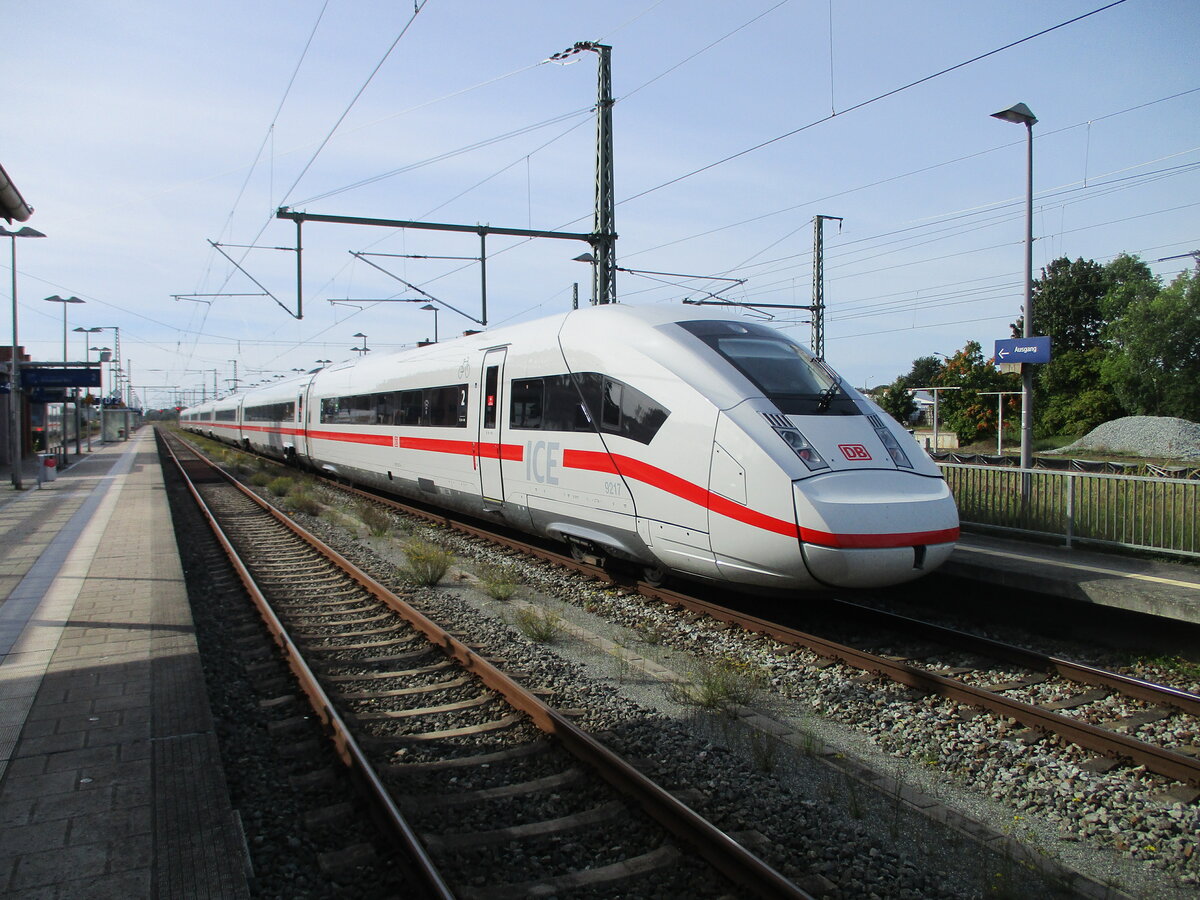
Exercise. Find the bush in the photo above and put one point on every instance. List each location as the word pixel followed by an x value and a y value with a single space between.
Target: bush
pixel 377 520
pixel 427 563
pixel 305 503
pixel 499 581
pixel 539 625
pixel 280 487
pixel 717 685
pixel 261 479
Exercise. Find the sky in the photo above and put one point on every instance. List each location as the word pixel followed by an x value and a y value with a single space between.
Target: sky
pixel 141 133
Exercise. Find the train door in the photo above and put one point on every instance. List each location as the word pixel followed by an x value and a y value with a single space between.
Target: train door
pixel 491 418
pixel 299 450
pixel 304 448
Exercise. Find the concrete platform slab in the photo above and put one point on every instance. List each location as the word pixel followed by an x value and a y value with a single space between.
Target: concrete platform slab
pixel 110 776
pixel 1152 587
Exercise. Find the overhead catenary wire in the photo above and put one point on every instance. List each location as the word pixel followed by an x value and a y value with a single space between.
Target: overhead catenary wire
pixel 762 270
pixel 417 7
pixel 893 178
pixel 862 104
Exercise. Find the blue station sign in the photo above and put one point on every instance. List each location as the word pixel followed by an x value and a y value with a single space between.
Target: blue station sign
pixel 44 377
pixel 1023 350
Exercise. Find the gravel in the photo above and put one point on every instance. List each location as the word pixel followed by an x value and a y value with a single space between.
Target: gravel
pixel 817 822
pixel 1119 827
pixel 1156 437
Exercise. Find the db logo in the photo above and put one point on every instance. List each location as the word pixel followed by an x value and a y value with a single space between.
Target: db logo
pixel 854 451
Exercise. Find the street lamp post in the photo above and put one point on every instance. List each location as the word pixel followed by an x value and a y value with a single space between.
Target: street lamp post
pixel 1021 114
pixel 430 306
pixel 64 301
pixel 14 379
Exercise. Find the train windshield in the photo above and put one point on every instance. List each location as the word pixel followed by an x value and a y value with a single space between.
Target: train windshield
pixel 785 372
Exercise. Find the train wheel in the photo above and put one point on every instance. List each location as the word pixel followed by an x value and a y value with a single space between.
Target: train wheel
pixel 655 576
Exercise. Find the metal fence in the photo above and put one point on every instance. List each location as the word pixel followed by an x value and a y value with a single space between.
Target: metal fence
pixel 1138 512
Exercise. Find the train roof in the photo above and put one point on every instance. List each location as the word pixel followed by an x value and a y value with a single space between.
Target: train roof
pixel 635 326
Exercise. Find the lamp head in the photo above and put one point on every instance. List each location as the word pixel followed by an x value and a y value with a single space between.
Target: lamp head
pixel 1018 113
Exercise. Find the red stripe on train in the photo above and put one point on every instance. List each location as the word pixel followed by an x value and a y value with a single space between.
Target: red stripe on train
pixel 635 469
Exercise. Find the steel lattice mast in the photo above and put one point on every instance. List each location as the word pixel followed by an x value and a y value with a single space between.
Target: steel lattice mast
pixel 604 287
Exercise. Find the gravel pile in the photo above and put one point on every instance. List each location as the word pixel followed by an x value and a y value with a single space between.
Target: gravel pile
pixel 1158 437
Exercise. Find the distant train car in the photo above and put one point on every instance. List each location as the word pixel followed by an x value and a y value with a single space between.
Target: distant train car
pixel 714 448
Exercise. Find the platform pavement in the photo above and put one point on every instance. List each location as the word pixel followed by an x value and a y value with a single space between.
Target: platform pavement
pixel 110 776
pixel 1161 588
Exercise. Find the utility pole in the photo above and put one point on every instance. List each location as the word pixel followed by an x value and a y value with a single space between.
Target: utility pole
pixel 818 301
pixel 604 288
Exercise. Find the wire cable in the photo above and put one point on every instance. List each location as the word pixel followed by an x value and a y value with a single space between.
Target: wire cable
pixel 417 7
pixel 870 101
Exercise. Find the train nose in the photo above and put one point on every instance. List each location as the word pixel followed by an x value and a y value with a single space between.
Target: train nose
pixel 870 529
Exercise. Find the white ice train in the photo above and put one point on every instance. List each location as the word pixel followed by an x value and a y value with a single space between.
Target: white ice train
pixel 715 448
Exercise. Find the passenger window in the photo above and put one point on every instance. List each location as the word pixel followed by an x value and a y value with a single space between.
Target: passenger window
pixel 610 409
pixel 491 386
pixel 528 403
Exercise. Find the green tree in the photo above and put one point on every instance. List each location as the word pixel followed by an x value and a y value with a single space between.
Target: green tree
pixel 924 372
pixel 971 416
pixel 897 401
pixel 1130 282
pixel 1154 365
pixel 1074 304
pixel 1068 304
pixel 1072 397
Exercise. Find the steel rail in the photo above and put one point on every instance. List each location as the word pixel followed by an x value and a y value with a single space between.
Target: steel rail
pixel 1072 671
pixel 1173 765
pixel 1157 759
pixel 716 847
pixel 347 748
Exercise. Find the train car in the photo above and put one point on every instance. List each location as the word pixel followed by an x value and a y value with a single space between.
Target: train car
pixel 711 447
pixel 198 419
pixel 271 421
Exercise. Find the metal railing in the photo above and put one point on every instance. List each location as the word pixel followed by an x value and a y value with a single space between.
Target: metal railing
pixel 1131 511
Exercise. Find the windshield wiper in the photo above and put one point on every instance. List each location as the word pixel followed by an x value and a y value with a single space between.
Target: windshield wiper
pixel 827 396
pixel 835 385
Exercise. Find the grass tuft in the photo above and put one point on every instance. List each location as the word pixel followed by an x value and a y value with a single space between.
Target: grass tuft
pixel 426 563
pixel 499 581
pixel 281 486
pixel 305 503
pixel 717 685
pixel 540 625
pixel 376 518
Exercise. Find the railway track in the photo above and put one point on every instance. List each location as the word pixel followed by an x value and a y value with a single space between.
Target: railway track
pixel 1047 694
pixel 1074 689
pixel 489 789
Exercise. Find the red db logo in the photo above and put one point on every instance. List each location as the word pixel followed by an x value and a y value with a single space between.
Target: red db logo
pixel 854 451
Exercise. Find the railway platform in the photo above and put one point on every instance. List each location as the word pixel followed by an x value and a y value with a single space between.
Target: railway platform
pixel 111 783
pixel 1166 590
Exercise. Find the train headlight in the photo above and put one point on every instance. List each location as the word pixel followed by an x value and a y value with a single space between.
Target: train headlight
pixel 802 448
pixel 899 457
